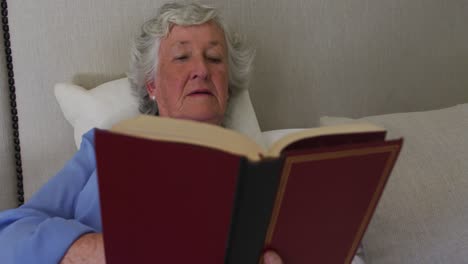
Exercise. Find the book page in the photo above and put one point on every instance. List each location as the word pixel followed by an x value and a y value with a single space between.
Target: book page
pixel 190 132
pixel 278 146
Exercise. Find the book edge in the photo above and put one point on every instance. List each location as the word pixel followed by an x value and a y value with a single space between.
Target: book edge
pixel 279 145
pixel 201 134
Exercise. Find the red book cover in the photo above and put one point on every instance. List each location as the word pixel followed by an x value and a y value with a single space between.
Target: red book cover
pixel 157 207
pixel 325 200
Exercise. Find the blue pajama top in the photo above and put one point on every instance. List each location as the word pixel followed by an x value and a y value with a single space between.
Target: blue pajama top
pixel 66 207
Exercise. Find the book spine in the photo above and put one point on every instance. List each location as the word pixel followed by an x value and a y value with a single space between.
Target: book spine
pixel 255 196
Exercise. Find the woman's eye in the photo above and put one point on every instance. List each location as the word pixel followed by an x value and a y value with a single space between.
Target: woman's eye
pixel 181 58
pixel 215 59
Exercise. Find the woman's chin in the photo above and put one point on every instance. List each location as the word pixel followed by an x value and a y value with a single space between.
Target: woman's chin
pixel 203 115
pixel 208 112
pixel 211 118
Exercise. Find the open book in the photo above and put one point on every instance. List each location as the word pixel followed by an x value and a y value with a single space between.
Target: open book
pixel 202 134
pixel 184 191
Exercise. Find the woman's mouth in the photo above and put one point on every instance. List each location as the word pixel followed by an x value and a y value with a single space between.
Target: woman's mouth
pixel 200 92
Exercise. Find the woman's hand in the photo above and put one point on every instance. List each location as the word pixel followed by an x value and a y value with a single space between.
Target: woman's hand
pixel 88 249
pixel 270 257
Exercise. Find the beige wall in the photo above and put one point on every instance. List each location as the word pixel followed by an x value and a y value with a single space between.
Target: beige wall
pixel 353 58
pixel 320 57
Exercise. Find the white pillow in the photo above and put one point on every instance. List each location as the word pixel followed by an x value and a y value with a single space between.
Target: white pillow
pixel 113 101
pixel 423 214
pixel 270 137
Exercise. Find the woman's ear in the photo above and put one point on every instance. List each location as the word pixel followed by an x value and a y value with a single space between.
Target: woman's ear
pixel 151 89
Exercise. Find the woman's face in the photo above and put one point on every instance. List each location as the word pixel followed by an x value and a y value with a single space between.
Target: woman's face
pixel 192 76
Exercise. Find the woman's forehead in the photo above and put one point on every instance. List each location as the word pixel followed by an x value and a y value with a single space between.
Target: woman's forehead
pixel 209 34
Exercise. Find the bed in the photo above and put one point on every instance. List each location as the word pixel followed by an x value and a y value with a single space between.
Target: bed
pixel 403 65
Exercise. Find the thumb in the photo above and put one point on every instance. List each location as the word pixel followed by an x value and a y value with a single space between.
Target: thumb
pixel 270 257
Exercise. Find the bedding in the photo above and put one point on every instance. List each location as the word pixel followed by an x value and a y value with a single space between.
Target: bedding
pixel 422 216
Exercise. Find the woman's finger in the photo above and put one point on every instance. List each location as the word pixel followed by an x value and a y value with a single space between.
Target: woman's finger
pixel 271 257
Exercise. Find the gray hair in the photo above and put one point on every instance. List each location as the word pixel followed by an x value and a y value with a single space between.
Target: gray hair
pixel 144 52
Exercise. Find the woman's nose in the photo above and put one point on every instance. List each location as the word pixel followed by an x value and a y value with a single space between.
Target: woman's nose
pixel 200 69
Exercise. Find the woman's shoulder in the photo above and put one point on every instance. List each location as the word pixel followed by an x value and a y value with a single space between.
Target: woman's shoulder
pixel 88 137
pixel 86 150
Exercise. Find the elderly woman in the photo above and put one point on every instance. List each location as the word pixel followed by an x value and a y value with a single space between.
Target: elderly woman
pixel 185 64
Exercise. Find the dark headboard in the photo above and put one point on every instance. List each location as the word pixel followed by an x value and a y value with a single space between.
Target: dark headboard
pixel 9 89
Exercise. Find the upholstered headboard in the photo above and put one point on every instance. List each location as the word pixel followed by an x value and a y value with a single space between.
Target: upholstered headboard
pixel 314 58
